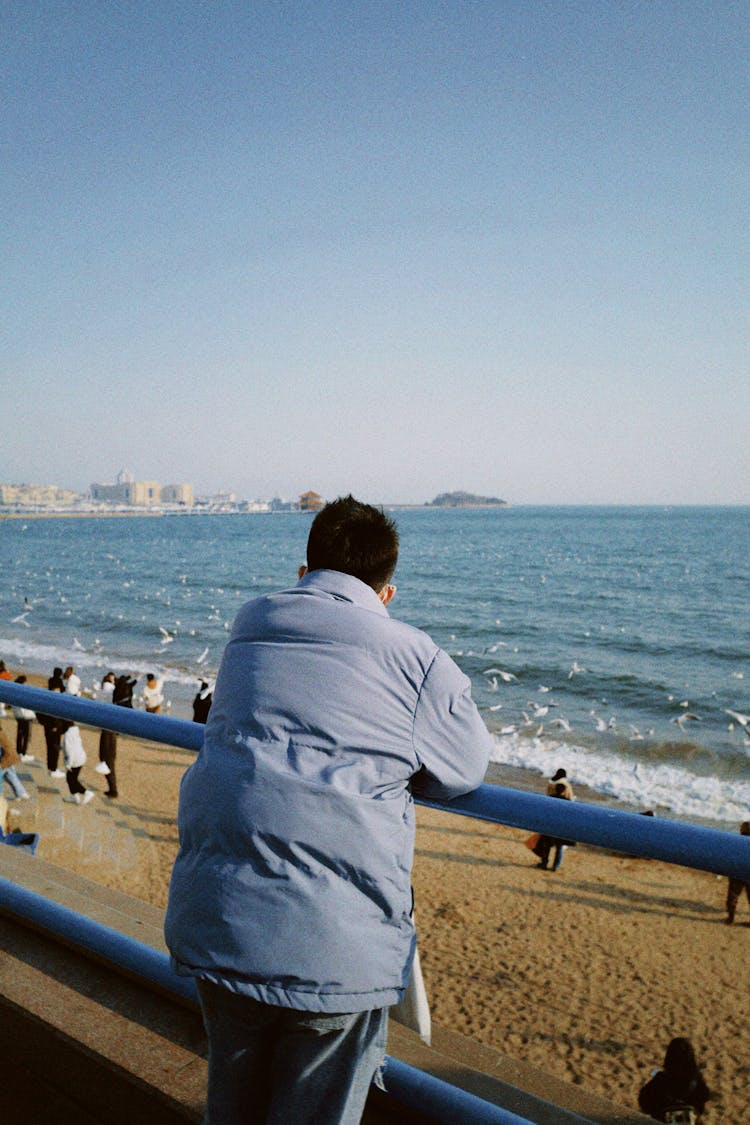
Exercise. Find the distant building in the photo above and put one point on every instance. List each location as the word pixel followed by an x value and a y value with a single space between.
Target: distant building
pixel 36 496
pixel 280 505
pixel 255 506
pixel 311 502
pixel 178 494
pixel 225 501
pixel 141 493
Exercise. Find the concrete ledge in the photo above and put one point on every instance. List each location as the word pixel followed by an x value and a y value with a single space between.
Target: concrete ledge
pixel 91 1045
pixel 100 1043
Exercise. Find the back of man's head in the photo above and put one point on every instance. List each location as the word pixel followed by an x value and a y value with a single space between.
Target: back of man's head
pixel 355 538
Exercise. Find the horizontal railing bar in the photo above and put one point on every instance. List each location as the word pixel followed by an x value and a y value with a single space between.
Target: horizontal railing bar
pixel 705 849
pixel 106 716
pixel 424 1092
pixel 649 837
pixel 86 935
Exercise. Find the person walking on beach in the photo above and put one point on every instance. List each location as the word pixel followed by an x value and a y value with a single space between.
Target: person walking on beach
pixel 737 886
pixel 53 732
pixel 560 778
pixel 24 718
pixel 558 786
pixel 202 703
pixel 74 755
pixel 290 899
pixel 9 759
pixel 108 742
pixel 677 1089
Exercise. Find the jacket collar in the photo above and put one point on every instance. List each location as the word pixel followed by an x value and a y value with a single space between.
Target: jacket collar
pixel 344 587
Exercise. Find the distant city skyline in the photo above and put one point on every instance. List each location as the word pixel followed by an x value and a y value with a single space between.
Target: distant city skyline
pixel 388 249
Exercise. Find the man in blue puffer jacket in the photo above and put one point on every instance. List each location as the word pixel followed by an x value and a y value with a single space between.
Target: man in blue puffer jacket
pixel 290 899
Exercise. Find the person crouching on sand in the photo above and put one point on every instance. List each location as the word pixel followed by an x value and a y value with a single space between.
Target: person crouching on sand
pixel 74 756
pixel 677 1089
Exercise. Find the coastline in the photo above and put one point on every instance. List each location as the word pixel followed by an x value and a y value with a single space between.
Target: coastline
pixel 77 515
pixel 98 514
pixel 586 972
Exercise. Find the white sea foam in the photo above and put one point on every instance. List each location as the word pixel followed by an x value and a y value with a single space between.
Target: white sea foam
pixel 91 665
pixel 642 785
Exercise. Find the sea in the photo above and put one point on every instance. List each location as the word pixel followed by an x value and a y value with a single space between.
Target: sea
pixel 611 642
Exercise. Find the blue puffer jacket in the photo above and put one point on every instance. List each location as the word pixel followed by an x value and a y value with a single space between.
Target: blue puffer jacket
pixel 292 882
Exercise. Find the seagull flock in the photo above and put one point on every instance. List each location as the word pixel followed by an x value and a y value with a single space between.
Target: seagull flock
pixel 534 713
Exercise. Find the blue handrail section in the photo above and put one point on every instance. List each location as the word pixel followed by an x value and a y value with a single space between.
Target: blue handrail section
pixel 705 849
pixel 416 1089
pixel 86 935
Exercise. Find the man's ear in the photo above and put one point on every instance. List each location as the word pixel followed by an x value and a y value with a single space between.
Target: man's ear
pixel 386 594
pixel 302 571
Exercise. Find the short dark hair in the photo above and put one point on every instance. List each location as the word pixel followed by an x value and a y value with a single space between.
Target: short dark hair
pixel 355 538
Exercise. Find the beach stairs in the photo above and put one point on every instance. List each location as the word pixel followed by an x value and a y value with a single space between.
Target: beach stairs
pixel 102 835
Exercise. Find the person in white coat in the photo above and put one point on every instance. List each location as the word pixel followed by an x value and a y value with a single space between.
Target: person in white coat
pixel 74 756
pixel 72 681
pixel 152 694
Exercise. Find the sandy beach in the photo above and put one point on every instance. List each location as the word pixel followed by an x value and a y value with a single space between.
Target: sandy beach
pixel 586 972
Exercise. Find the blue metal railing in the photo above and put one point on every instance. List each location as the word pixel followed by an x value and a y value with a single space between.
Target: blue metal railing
pixel 703 848
pixel 706 849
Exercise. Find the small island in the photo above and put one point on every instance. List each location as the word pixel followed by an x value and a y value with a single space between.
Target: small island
pixel 465 500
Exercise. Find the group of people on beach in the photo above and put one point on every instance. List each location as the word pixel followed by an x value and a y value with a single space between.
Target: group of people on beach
pixel 63 736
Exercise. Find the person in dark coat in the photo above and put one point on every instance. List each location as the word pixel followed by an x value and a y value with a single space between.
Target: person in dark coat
pixel 107 757
pixel 559 786
pixel 53 726
pixel 108 741
pixel 123 693
pixel 24 718
pixel 678 1086
pixel 202 703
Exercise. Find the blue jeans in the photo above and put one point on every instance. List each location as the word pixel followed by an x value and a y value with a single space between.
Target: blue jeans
pixel 15 782
pixel 278 1066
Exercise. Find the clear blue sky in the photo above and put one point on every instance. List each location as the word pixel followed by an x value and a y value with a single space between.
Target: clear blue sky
pixel 393 248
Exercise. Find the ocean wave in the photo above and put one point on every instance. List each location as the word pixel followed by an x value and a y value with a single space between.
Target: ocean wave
pixel 92 665
pixel 667 784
